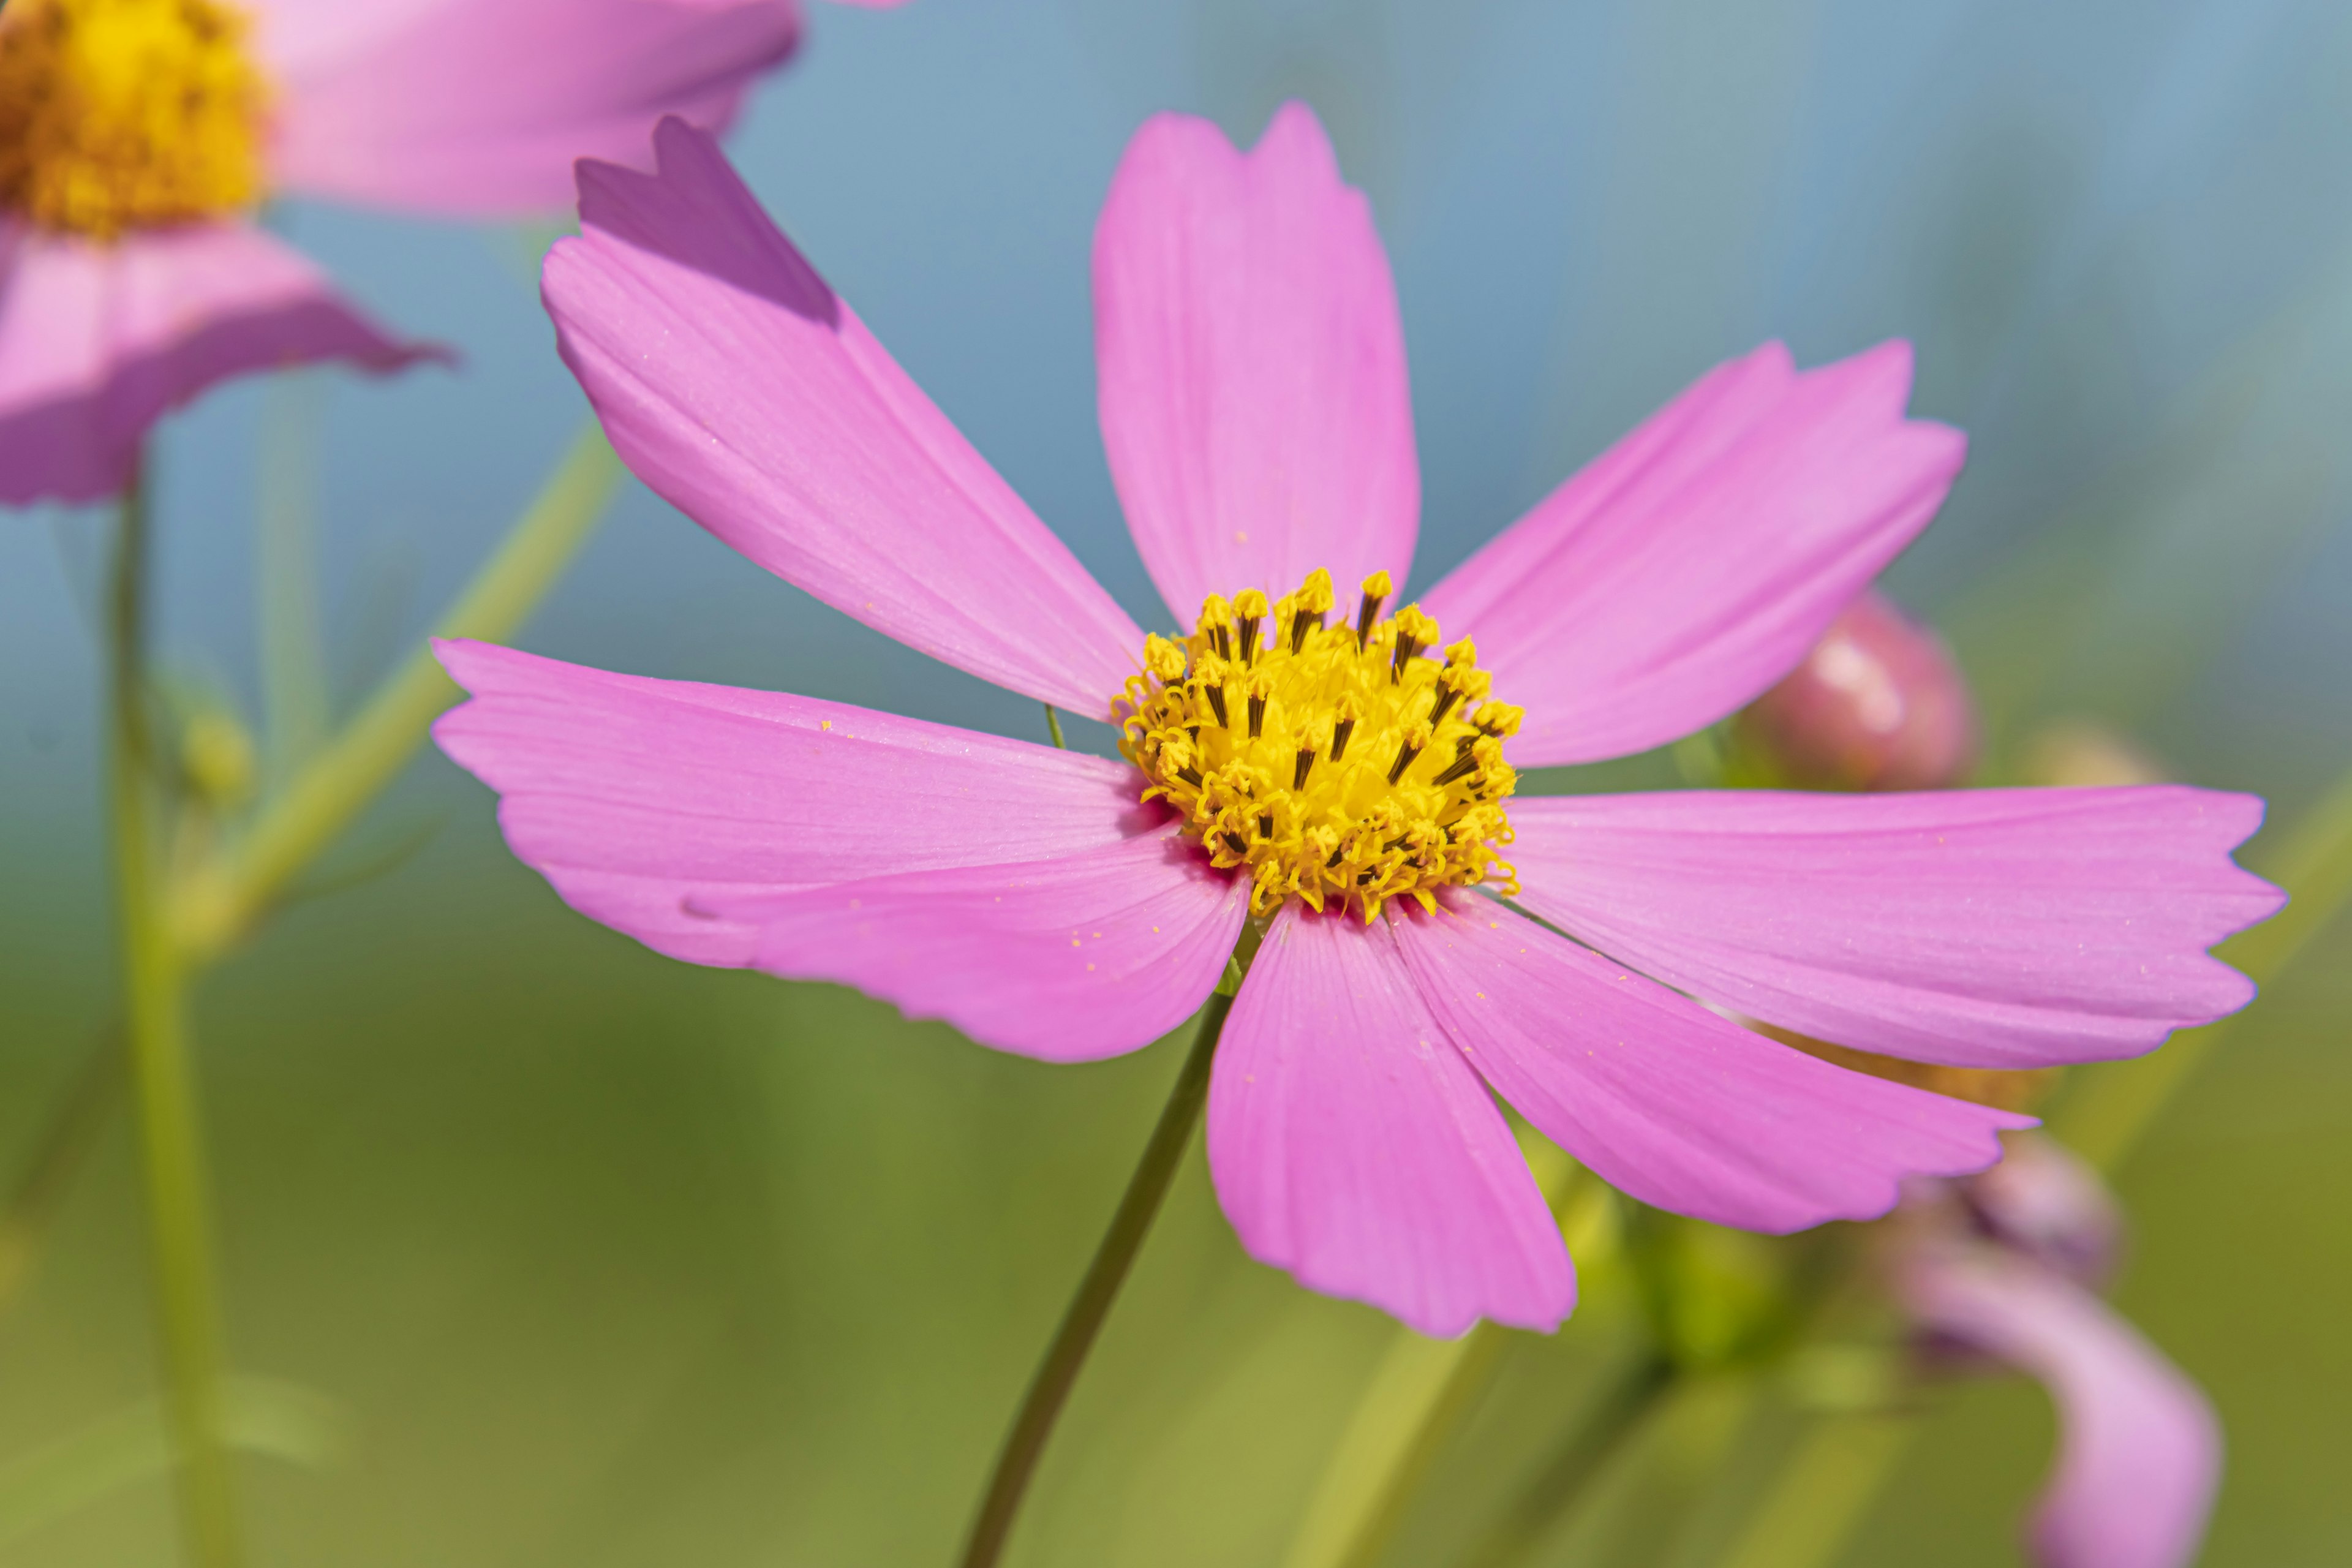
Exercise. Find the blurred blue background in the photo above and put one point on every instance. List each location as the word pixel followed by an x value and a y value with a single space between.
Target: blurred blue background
pixel 601 1260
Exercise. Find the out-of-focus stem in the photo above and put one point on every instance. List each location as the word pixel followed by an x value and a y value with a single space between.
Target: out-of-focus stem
pixel 285 579
pixel 220 901
pixel 1417 1396
pixel 64 1144
pixel 1823 1491
pixel 1049 1387
pixel 1618 1412
pixel 170 1135
pixel 1054 724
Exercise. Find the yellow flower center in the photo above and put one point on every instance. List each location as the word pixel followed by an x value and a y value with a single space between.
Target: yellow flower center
pixel 123 115
pixel 1336 762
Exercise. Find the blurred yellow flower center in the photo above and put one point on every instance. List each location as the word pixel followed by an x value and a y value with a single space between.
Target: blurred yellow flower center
pixel 1336 762
pixel 125 114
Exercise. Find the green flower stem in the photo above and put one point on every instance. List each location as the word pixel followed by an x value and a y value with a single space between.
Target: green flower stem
pixel 1054 724
pixel 82 1114
pixel 1822 1492
pixel 1049 1387
pixel 1417 1396
pixel 170 1137
pixel 219 902
pixel 1621 1409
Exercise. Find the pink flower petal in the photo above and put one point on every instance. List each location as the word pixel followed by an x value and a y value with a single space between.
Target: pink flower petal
pixel 432 108
pixel 1668 1103
pixel 99 341
pixel 1252 365
pixel 2139 1452
pixel 1353 1146
pixel 635 796
pixel 739 389
pixel 1089 955
pixel 2002 927
pixel 1695 562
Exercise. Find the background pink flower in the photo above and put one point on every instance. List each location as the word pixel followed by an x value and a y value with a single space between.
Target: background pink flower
pixel 462 108
pixel 1253 402
pixel 2007 1264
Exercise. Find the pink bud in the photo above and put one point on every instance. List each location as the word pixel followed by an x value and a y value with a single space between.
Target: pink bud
pixel 1877 705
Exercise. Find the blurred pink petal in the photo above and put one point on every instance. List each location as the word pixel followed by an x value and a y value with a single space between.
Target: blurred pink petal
pixel 1089 955
pixel 1693 565
pixel 2008 928
pixel 2140 1453
pixel 1668 1103
pixel 479 107
pixel 1253 385
pixel 1353 1146
pixel 736 385
pixel 635 796
pixel 2047 1201
pixel 98 342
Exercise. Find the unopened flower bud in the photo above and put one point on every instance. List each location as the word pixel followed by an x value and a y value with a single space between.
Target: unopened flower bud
pixel 216 758
pixel 1878 704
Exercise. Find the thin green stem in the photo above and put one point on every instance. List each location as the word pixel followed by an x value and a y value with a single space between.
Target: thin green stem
pixel 1452 1400
pixel 1615 1415
pixel 1823 1491
pixel 1417 1397
pixel 293 643
pixel 220 902
pixel 1054 724
pixel 57 1157
pixel 1082 1320
pixel 170 1135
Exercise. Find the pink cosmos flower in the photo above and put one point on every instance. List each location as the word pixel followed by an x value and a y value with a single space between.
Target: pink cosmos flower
pixel 2008 1264
pixel 1323 778
pixel 137 136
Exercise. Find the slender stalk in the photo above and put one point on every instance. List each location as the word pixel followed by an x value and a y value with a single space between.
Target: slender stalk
pixel 294 703
pixel 221 901
pixel 73 1131
pixel 1049 1387
pixel 1448 1403
pixel 1824 1492
pixel 1054 724
pixel 1419 1394
pixel 1615 1415
pixel 170 1136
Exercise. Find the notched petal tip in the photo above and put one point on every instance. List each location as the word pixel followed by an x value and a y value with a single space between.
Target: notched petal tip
pixel 1991 928
pixel 1669 1102
pixel 1778 494
pixel 695 210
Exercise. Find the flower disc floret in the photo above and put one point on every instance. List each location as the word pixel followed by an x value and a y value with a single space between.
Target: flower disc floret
pixel 125 114
pixel 1340 764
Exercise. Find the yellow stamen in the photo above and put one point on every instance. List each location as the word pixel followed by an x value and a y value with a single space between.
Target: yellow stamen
pixel 123 115
pixel 1337 764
